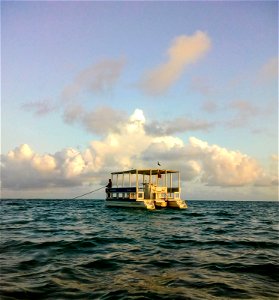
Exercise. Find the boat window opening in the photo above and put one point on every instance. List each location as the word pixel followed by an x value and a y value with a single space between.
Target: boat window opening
pixel 140 195
pixel 125 182
pixel 132 180
pixel 178 180
pixel 137 180
pixel 163 196
pixel 176 195
pixel 132 195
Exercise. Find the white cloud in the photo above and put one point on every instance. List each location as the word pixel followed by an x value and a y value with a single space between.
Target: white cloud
pixel 138 116
pixel 44 163
pixel 24 152
pixel 184 50
pixel 223 167
pixel 131 147
pixel 22 168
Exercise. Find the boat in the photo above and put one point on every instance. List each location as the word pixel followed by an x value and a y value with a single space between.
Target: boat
pixel 145 188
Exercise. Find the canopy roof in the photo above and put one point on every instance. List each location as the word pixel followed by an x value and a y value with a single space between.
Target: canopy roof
pixel 146 171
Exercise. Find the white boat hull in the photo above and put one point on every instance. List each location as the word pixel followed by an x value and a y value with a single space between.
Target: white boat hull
pixel 147 204
pixel 177 204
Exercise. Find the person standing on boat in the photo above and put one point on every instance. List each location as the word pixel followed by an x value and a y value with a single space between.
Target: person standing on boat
pixel 108 187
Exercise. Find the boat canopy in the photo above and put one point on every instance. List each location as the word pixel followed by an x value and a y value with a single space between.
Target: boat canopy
pixel 146 171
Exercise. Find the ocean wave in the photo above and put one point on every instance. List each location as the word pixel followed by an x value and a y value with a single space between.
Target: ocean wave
pixel 83 250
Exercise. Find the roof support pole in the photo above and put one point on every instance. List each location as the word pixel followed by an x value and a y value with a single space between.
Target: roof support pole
pixel 179 181
pixel 137 181
pixel 157 178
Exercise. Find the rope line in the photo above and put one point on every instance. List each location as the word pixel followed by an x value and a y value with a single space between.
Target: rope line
pixel 88 193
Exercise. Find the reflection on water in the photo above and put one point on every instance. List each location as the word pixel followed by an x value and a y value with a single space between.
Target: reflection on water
pixel 63 249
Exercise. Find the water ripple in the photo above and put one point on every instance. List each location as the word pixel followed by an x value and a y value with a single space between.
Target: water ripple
pixel 62 249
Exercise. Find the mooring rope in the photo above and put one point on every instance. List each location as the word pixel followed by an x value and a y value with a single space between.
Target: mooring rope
pixel 88 193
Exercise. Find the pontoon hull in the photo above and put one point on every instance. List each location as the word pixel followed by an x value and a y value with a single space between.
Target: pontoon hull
pixel 177 204
pixel 160 203
pixel 147 204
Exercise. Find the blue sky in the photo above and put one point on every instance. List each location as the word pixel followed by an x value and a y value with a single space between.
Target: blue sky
pixel 196 81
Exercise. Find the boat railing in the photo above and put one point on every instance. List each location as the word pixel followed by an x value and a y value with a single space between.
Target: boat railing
pixel 156 192
pixel 126 193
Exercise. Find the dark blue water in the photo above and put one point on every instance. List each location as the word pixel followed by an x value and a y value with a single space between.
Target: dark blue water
pixel 65 249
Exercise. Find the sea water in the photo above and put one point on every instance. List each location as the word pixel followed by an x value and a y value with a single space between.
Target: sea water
pixel 80 249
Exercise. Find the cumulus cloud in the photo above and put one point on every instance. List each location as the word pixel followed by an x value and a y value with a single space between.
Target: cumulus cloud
pixel 223 167
pixel 99 77
pixel 22 168
pixel 131 147
pixel 184 50
pixel 21 153
pixel 211 165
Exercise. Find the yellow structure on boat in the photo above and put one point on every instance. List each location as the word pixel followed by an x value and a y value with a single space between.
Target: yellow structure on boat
pixel 147 188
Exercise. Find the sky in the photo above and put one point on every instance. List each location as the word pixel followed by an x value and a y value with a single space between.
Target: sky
pixel 89 88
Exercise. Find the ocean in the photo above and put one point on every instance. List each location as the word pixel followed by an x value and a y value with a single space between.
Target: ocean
pixel 80 249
